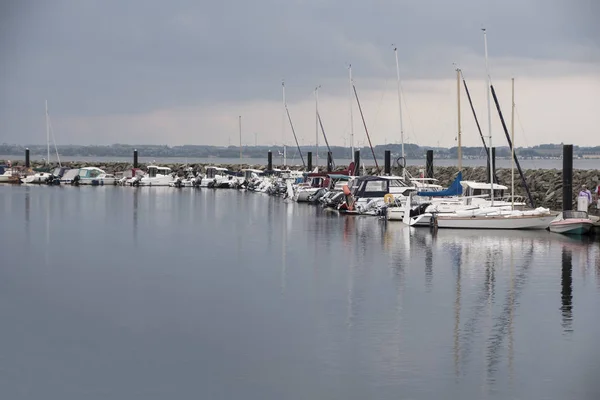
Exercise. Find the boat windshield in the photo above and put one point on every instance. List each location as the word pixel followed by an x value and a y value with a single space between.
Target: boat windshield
pixel 575 214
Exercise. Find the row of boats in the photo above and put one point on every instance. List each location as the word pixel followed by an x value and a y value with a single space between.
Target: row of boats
pixel 418 202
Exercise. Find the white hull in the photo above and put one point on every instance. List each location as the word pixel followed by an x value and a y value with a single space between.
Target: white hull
pixel 495 222
pixel 157 181
pixel 575 228
pixel 9 179
pixel 37 178
pixel 97 181
pixel 395 213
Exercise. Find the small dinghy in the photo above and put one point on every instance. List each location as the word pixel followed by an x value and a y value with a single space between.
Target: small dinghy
pixel 572 223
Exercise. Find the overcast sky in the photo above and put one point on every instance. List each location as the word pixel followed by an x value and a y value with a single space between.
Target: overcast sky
pixel 180 72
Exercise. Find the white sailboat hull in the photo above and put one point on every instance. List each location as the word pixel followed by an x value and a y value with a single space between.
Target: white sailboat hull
pixel 495 222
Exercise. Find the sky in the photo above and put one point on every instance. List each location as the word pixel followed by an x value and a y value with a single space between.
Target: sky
pixel 183 71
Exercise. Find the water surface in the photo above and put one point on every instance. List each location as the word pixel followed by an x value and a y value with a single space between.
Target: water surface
pixel 154 293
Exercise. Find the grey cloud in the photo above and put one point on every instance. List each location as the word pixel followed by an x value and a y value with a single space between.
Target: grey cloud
pixel 96 57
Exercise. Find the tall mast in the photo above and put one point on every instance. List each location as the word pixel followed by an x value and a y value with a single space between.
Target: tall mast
pixel 240 120
pixel 317 125
pixel 283 125
pixel 400 109
pixel 487 73
pixel 459 120
pixel 47 135
pixel 512 148
pixel 351 118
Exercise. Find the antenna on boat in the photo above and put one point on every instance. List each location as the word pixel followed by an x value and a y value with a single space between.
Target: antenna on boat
pixel 283 124
pixel 240 120
pixel 317 124
pixel 459 133
pixel 47 135
pixel 512 148
pixel 487 73
pixel 351 116
pixel 400 109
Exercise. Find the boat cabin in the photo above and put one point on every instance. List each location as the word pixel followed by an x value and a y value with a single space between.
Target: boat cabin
pixel 154 171
pixel 212 172
pixel 90 172
pixel 379 186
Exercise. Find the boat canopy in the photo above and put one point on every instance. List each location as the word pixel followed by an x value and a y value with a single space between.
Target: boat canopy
pixel 453 190
pixel 339 176
pixel 376 186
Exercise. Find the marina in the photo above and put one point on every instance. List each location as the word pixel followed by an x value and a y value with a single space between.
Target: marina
pixel 299 200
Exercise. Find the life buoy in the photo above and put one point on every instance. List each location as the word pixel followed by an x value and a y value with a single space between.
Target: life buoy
pixel 389 198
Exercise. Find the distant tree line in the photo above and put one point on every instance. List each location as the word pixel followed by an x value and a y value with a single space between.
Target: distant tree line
pixel 412 151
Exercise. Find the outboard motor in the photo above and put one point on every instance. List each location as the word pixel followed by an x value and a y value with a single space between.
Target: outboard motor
pixel 75 181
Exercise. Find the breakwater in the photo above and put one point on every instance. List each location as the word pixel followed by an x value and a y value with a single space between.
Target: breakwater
pixel 545 184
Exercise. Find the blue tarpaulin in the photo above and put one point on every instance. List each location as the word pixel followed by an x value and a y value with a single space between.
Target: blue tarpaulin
pixel 454 190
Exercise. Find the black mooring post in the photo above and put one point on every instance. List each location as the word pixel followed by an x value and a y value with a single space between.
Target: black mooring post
pixel 429 165
pixel 135 158
pixel 387 162
pixel 309 161
pixel 567 177
pixel 269 161
pixel 357 163
pixel 27 161
pixel 329 162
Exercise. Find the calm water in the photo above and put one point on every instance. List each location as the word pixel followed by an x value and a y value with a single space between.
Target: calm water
pixel 500 163
pixel 149 293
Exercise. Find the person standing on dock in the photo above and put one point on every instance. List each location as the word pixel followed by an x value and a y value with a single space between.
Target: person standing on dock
pixel 586 193
pixel 597 194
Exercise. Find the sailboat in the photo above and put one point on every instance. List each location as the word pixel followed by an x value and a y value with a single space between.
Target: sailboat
pixel 45 177
pixel 493 217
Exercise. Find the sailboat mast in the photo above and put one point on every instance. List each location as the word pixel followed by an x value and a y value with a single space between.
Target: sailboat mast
pixel 400 110
pixel 512 148
pixel 283 125
pixel 351 117
pixel 487 73
pixel 459 120
pixel 240 123
pixel 317 124
pixel 47 135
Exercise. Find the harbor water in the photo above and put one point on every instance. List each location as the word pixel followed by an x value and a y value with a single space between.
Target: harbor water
pixel 154 293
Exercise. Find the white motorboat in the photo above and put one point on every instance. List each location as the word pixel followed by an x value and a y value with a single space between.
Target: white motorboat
pixel 90 176
pixel 157 176
pixel 213 177
pixel 9 175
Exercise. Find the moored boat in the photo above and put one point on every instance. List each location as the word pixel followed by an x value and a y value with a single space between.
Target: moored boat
pixel 572 223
